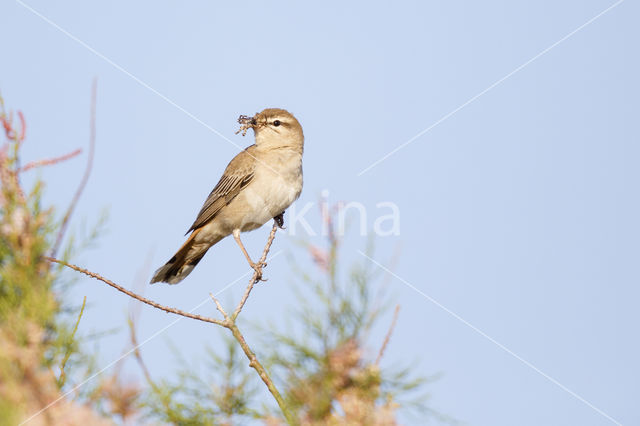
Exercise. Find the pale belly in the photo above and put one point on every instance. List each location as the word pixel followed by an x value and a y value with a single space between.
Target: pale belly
pixel 271 191
pixel 267 199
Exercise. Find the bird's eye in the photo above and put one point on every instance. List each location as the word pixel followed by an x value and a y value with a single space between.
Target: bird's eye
pixel 276 123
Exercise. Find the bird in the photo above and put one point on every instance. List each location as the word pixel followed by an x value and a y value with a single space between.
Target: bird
pixel 258 184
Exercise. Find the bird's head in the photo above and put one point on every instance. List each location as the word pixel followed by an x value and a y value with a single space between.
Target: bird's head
pixel 273 126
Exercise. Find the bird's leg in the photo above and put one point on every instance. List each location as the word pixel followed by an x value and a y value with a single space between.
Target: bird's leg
pixel 280 220
pixel 256 266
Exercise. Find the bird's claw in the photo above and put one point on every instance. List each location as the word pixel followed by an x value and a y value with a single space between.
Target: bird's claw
pixel 258 268
pixel 280 220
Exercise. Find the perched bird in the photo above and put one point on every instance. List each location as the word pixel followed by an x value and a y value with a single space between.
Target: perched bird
pixel 260 183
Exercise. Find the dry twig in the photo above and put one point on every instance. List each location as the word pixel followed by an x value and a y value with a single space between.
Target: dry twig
pixel 388 336
pixel 67 355
pixel 255 277
pixel 136 352
pixel 50 161
pixel 85 177
pixel 134 295
pixel 229 321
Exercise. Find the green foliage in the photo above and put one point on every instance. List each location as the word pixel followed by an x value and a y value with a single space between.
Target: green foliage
pixel 322 363
pixel 220 396
pixel 25 280
pixel 38 343
pixel 319 362
pixel 27 305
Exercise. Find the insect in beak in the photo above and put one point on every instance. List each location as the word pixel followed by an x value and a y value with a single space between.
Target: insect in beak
pixel 246 122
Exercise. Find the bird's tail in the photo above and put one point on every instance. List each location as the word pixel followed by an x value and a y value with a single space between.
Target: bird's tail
pixel 182 263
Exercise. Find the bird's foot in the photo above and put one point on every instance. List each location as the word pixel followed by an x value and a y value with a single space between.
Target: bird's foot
pixel 258 268
pixel 280 220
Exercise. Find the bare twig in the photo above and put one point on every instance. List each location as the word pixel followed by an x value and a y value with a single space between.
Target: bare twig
pixel 9 129
pixel 9 175
pixel 50 161
pixel 136 352
pixel 388 336
pixel 229 322
pixel 134 295
pixel 23 128
pixel 255 277
pixel 85 177
pixel 67 355
pixel 134 315
pixel 255 364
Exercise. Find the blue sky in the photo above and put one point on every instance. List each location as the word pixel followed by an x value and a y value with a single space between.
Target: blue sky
pixel 518 211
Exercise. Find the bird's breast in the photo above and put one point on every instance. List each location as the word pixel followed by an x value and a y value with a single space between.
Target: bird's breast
pixel 276 184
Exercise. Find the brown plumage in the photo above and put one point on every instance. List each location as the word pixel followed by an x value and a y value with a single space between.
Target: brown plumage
pixel 258 184
pixel 237 175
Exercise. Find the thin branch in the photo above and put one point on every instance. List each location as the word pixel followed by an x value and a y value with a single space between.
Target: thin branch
pixel 388 336
pixel 255 277
pixel 87 172
pixel 137 354
pixel 229 322
pixel 134 316
pixel 134 295
pixel 67 355
pixel 23 129
pixel 9 175
pixel 50 161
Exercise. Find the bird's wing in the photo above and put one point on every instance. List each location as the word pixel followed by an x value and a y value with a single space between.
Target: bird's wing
pixel 236 177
